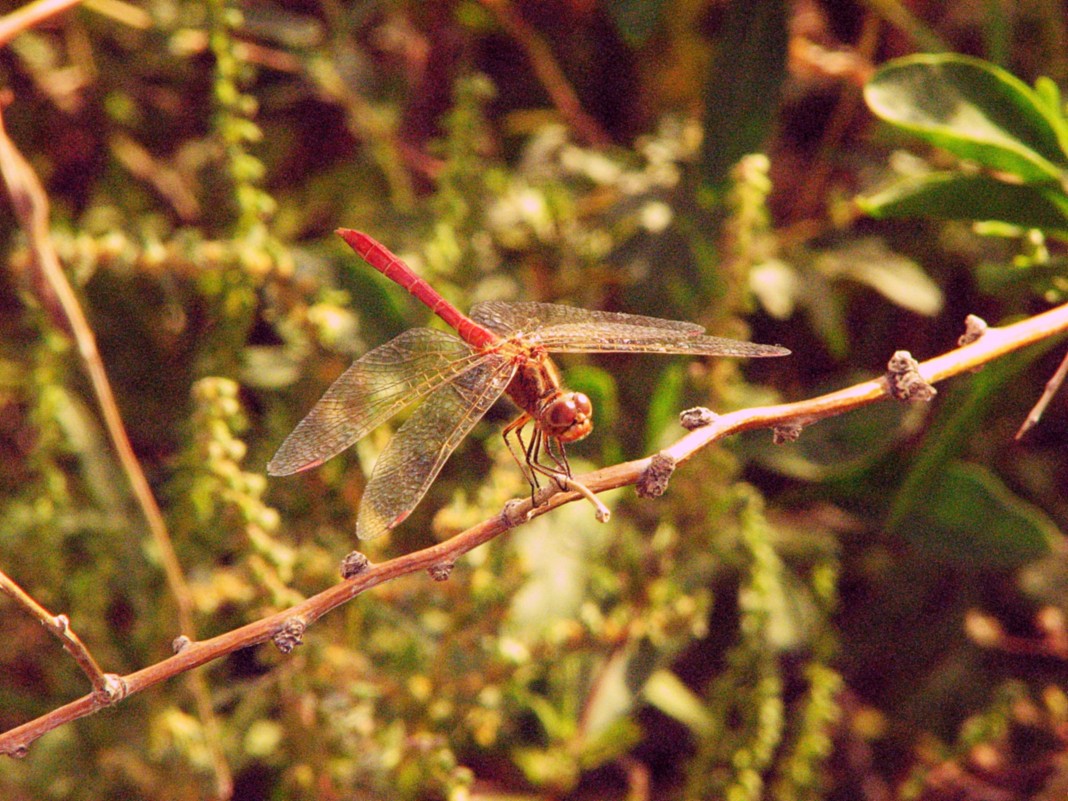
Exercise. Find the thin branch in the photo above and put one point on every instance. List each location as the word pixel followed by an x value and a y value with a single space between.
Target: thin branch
pixel 548 72
pixel 1039 408
pixel 30 15
pixel 995 343
pixel 59 625
pixel 58 297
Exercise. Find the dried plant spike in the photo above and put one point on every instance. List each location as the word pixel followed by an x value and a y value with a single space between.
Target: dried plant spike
pixel 354 564
pixel 974 327
pixel 291 634
pixel 697 417
pixel 904 379
pixel 653 481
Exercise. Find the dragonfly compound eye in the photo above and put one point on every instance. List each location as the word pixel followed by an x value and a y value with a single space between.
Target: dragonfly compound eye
pixel 570 417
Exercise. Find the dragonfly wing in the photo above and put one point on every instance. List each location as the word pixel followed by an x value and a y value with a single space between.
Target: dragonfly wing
pixel 565 329
pixel 612 338
pixel 419 449
pixel 520 318
pixel 377 386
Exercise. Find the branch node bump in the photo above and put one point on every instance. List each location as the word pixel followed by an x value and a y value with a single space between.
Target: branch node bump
pixel 354 564
pixel 974 328
pixel 787 432
pixel 904 379
pixel 441 571
pixel 653 482
pixel 180 643
pixel 543 494
pixel 291 634
pixel 511 515
pixel 113 690
pixel 697 417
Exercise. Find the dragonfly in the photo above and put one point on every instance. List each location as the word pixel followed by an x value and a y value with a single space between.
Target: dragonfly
pixel 501 348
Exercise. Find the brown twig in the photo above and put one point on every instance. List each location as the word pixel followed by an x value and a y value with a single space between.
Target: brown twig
pixel 549 73
pixel 1037 410
pixel 30 15
pixel 59 625
pixel 58 297
pixel 31 207
pixel 996 342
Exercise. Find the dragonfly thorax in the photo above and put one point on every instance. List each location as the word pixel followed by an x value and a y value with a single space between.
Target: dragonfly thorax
pixel 558 413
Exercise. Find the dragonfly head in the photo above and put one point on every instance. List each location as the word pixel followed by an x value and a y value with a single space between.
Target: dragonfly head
pixel 567 417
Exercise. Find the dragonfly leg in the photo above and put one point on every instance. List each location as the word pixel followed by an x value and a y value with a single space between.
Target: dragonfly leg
pixel 530 461
pixel 561 458
pixel 516 428
pixel 558 470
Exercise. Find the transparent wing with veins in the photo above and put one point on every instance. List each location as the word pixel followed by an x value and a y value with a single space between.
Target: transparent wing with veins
pixel 565 329
pixel 376 387
pixel 414 457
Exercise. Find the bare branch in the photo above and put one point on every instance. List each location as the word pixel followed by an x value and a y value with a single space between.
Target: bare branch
pixel 30 15
pixel 59 625
pixel 548 72
pixel 1052 386
pixel 59 299
pixel 995 343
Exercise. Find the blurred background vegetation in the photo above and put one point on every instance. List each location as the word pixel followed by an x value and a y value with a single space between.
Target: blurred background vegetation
pixel 874 611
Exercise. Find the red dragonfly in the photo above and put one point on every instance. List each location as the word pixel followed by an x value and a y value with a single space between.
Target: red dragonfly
pixel 501 348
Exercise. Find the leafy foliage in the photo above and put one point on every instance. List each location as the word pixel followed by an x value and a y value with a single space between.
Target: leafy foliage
pixel 881 599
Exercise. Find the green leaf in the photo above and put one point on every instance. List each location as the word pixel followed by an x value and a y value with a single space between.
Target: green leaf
pixel 970 516
pixel 1050 94
pixel 952 196
pixel 973 109
pixel 896 277
pixel 666 692
pixel 664 405
pixel 961 416
pixel 744 84
pixel 963 512
pixel 844 446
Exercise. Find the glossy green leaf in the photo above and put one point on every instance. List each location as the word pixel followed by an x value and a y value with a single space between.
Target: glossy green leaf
pixel 963 512
pixel 973 109
pixel 952 196
pixel 970 516
pixel 962 415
